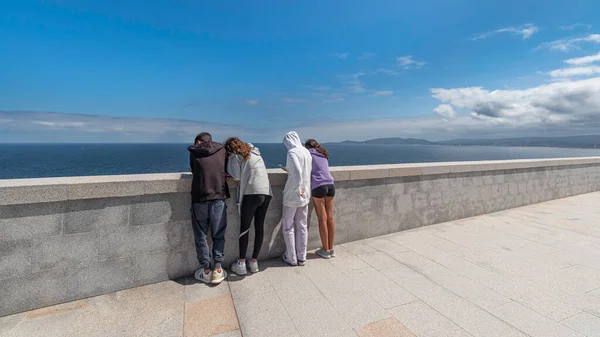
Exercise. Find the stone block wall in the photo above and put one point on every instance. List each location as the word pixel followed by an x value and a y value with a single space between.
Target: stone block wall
pixel 63 239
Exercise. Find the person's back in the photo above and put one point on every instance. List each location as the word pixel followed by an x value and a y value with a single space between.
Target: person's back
pixel 320 175
pixel 296 192
pixel 296 196
pixel 209 191
pixel 207 161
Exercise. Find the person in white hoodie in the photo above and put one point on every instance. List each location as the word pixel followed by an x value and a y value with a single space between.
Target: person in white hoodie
pixel 296 197
pixel 245 165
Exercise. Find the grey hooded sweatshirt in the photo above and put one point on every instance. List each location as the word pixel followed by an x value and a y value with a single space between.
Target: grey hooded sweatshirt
pixel 251 173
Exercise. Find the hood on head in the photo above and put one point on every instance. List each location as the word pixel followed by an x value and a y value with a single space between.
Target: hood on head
pixel 205 149
pixel 292 140
pixel 254 149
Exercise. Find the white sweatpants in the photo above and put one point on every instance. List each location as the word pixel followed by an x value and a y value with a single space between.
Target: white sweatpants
pixel 294 226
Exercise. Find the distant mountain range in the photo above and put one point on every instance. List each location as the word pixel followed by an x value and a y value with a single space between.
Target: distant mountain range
pixel 591 141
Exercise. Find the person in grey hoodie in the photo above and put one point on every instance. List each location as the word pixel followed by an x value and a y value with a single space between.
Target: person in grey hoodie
pixel 323 191
pixel 296 197
pixel 245 165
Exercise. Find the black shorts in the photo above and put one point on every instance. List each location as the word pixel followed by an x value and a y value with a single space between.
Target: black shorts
pixel 323 191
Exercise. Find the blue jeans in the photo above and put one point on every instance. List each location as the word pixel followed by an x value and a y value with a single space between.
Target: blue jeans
pixel 214 214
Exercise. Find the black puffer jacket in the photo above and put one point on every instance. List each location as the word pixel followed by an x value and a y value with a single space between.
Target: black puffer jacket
pixel 208 161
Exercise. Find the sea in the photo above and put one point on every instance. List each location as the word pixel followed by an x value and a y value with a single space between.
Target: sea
pixel 60 160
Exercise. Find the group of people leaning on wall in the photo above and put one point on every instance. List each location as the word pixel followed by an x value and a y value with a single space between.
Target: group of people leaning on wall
pixel 308 176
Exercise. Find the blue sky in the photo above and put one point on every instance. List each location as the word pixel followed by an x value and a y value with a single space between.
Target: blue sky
pixel 77 70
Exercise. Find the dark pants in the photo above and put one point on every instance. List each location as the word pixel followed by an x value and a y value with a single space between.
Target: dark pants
pixel 253 206
pixel 214 214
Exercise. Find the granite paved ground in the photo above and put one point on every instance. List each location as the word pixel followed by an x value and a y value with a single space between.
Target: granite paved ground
pixel 532 271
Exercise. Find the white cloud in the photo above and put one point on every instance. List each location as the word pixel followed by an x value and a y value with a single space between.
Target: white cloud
pixel 565 103
pixel 366 55
pixel 565 45
pixel 341 56
pixel 334 100
pixel 445 110
pixel 353 84
pixel 381 93
pixel 49 126
pixel 407 62
pixel 294 100
pixel 575 25
pixel 252 102
pixel 525 31
pixel 584 59
pixel 575 71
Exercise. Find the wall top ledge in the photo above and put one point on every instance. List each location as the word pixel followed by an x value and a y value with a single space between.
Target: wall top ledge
pixel 37 190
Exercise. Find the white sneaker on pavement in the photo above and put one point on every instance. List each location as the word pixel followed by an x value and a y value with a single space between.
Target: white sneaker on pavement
pixel 239 268
pixel 218 277
pixel 201 276
pixel 253 266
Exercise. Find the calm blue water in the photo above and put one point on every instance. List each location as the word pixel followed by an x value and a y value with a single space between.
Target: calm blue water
pixel 58 160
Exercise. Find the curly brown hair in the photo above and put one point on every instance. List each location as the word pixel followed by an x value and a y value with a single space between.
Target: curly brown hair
pixel 235 145
pixel 313 144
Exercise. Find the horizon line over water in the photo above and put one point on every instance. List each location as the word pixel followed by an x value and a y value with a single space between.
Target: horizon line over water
pixel 37 160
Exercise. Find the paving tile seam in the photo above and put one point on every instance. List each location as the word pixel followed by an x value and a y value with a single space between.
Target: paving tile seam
pixel 464 299
pixel 510 299
pixel 432 308
pixel 286 310
pixel 235 309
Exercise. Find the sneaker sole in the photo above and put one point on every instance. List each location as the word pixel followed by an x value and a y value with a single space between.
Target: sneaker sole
pixel 203 280
pixel 326 257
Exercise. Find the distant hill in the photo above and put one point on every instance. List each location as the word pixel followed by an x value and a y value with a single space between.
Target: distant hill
pixel 588 141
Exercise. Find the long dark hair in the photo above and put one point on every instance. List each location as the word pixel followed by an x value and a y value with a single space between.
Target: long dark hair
pixel 313 144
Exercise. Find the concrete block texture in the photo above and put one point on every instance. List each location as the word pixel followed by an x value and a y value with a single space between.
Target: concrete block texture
pixel 101 278
pixel 96 214
pixel 65 251
pixel 33 291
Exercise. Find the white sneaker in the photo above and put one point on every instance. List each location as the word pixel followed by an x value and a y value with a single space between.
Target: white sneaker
pixel 201 276
pixel 332 253
pixel 293 264
pixel 218 277
pixel 253 266
pixel 239 268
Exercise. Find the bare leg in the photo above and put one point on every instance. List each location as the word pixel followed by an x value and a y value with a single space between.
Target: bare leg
pixel 322 217
pixel 330 222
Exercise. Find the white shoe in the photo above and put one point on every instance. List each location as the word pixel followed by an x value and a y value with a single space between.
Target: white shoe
pixel 253 266
pixel 293 264
pixel 218 277
pixel 239 268
pixel 332 253
pixel 201 276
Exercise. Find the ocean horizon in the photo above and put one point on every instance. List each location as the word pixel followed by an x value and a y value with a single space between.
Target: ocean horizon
pixel 38 160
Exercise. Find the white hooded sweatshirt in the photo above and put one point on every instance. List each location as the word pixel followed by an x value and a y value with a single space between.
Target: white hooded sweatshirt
pixel 299 165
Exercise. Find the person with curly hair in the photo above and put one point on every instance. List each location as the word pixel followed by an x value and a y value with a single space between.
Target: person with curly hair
pixel 323 191
pixel 254 194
